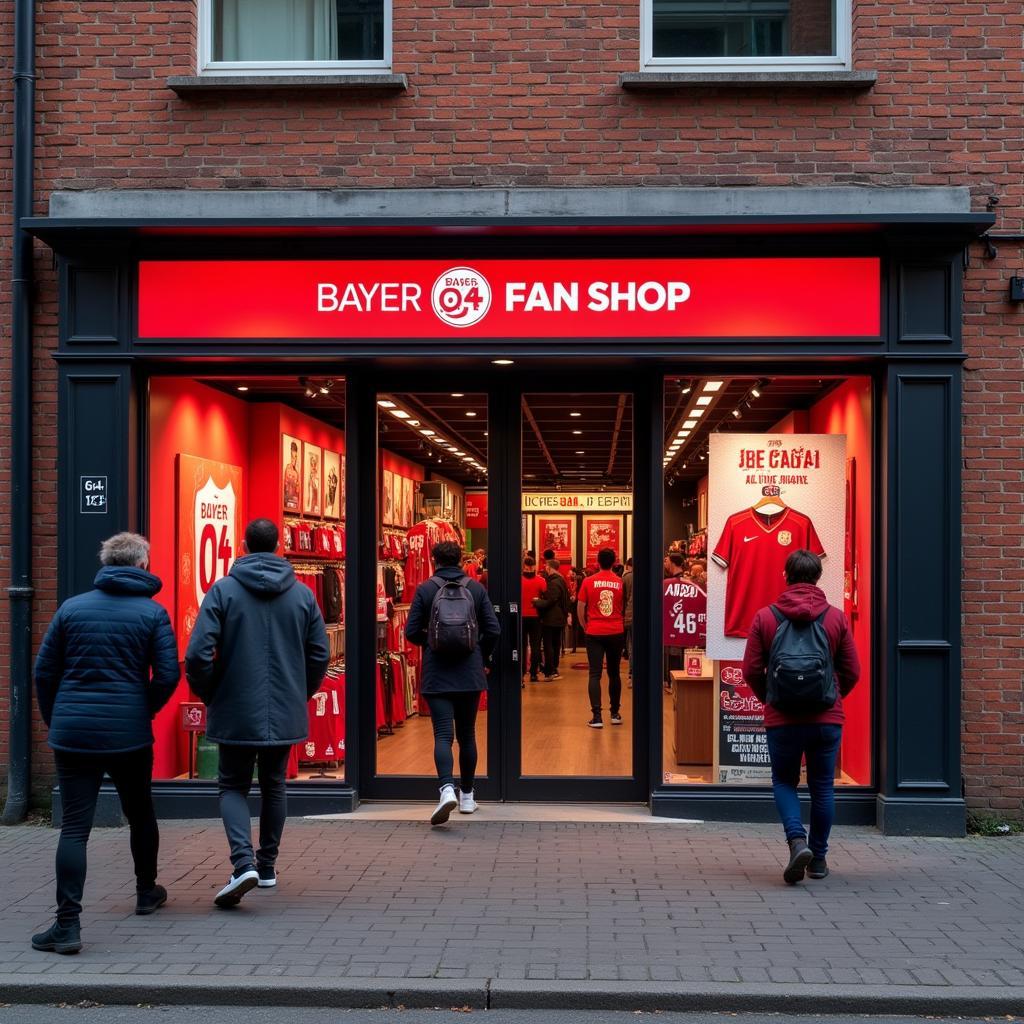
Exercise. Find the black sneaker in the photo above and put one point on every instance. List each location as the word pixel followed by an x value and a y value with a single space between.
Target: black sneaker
pixel 799 857
pixel 149 901
pixel 595 722
pixel 818 868
pixel 59 938
pixel 240 882
pixel 268 877
pixel 616 718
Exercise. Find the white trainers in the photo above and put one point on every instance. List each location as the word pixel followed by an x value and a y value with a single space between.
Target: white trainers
pixel 447 804
pixel 467 805
pixel 240 882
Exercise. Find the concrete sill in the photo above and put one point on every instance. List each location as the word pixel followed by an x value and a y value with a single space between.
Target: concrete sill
pixel 197 85
pixel 666 81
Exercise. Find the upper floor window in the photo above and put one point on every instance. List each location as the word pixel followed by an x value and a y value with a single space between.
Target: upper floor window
pixel 761 35
pixel 300 36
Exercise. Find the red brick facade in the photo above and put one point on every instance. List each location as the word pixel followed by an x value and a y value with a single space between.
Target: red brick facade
pixel 526 94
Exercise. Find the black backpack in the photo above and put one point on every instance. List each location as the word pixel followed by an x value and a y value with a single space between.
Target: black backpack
pixel 453 630
pixel 801 678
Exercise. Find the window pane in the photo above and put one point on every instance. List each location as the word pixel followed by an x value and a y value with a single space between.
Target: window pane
pixel 709 29
pixel 300 30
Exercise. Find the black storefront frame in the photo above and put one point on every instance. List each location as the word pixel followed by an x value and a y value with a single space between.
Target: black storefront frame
pixel 918 358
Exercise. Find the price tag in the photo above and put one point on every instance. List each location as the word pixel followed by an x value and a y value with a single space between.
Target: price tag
pixel 94 496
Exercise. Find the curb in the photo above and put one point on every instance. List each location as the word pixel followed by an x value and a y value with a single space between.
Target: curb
pixel 431 993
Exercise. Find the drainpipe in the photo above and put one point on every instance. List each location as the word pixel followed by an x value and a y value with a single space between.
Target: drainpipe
pixel 20 592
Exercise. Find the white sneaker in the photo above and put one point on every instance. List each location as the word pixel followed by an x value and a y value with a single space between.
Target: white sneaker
pixel 238 885
pixel 447 804
pixel 467 805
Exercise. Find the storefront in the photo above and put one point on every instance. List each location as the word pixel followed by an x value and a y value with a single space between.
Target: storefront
pixel 661 381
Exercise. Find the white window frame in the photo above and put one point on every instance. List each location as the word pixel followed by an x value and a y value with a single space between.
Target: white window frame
pixel 841 60
pixel 208 66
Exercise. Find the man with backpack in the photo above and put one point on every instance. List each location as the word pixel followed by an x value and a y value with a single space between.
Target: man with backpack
pixel 453 620
pixel 801 662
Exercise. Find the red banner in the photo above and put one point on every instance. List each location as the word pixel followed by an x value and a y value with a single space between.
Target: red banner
pixel 600 298
pixel 476 511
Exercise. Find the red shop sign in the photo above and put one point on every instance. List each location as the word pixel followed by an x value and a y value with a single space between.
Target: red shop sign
pixel 476 511
pixel 600 298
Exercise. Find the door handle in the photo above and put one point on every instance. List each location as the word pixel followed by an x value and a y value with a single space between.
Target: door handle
pixel 513 613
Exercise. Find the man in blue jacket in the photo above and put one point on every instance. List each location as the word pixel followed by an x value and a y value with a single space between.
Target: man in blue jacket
pixel 107 665
pixel 257 655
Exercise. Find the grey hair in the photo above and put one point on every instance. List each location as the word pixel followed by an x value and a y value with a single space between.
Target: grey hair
pixel 125 549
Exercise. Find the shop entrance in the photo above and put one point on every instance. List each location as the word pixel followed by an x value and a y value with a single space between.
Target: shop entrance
pixel 536 485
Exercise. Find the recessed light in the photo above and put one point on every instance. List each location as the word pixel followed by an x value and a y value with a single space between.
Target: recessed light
pixel 385 404
pixel 705 400
pixel 713 385
pixel 575 414
pixel 458 394
pixel 399 414
pixel 737 414
pixel 577 432
pixel 414 423
pixel 470 413
pixel 697 412
pixel 486 434
pixel 242 387
pixel 427 433
pixel 689 424
pixel 581 453
pixel 502 362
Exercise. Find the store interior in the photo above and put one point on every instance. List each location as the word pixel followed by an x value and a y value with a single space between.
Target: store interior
pixel 222 451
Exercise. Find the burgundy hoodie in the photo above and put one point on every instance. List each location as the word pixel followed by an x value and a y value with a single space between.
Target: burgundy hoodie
pixel 802 602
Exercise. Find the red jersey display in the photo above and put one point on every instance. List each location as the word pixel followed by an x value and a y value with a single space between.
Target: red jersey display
pixel 754 548
pixel 533 586
pixel 421 540
pixel 602 596
pixel 326 740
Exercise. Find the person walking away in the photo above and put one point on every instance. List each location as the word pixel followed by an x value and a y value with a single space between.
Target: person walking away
pixel 801 661
pixel 453 620
pixel 627 614
pixel 257 655
pixel 530 646
pixel 601 604
pixel 553 608
pixel 107 665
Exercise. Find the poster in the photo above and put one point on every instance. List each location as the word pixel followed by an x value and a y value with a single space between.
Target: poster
pixel 407 498
pixel 341 484
pixel 312 491
pixel 684 613
pixel 770 495
pixel 396 499
pixel 742 744
pixel 209 528
pixel 291 458
pixel 601 532
pixel 557 534
pixel 332 485
pixel 389 498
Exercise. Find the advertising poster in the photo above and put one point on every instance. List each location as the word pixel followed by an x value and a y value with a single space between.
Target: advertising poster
pixel 332 485
pixel 476 510
pixel 291 458
pixel 396 499
pixel 557 534
pixel 770 495
pixel 389 498
pixel 407 498
pixel 209 529
pixel 742 745
pixel 312 495
pixel 341 485
pixel 601 532
pixel 685 613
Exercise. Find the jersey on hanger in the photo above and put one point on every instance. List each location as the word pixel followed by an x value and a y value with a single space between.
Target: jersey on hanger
pixel 754 548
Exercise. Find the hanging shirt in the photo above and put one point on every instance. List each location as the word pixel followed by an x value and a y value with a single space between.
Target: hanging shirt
pixel 602 596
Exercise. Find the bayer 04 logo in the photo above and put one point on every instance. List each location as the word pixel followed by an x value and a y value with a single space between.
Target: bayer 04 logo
pixel 461 297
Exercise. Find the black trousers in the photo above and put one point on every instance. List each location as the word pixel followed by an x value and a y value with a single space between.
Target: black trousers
pixel 531 645
pixel 599 649
pixel 235 770
pixel 80 776
pixel 552 648
pixel 453 716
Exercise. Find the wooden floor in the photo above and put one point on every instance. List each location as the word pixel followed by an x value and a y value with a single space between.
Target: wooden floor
pixel 556 738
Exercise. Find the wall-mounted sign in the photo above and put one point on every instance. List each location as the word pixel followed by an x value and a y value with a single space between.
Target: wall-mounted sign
pixel 599 501
pixel 476 510
pixel 94 496
pixel 796 297
pixel 742 743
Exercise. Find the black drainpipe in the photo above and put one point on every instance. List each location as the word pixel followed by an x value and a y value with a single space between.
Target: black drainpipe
pixel 20 591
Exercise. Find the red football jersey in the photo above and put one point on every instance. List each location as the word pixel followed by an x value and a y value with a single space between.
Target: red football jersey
pixel 601 594
pixel 754 548
pixel 533 586
pixel 326 723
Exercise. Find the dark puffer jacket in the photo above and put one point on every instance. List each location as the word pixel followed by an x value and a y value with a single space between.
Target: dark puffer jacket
pixel 257 654
pixel 107 664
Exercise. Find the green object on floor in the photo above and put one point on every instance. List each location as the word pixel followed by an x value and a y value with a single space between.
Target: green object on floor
pixel 207 758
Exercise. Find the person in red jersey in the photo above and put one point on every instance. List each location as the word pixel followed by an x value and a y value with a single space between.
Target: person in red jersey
pixel 601 606
pixel 533 586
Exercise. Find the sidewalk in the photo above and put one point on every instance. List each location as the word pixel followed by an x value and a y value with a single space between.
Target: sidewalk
pixel 514 914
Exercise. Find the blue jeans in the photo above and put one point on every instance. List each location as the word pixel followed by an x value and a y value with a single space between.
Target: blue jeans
pixel 787 745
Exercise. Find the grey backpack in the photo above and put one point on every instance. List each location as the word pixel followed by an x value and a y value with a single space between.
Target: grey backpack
pixel 453 630
pixel 801 679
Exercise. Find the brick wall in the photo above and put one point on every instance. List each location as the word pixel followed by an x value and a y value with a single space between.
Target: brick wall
pixel 522 93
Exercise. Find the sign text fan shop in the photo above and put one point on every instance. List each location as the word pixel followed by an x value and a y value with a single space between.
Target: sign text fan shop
pixel 595 298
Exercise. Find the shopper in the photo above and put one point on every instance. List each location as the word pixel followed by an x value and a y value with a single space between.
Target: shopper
pixel 627 613
pixel 107 665
pixel 257 655
pixel 674 565
pixel 601 607
pixel 458 637
pixel 799 638
pixel 530 646
pixel 553 606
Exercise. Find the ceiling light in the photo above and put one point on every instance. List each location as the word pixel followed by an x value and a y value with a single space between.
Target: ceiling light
pixel 577 432
pixel 705 400
pixel 737 414
pixel 701 456
pixel 687 387
pixel 755 392
pixel 758 387
pixel 486 434
pixel 502 362
pixel 399 414
pixel 427 433
pixel 683 433
pixel 575 414
pixel 690 424
pixel 697 412
pixel 324 389
pixel 713 385
pixel 467 458
pixel 385 404
pixel 581 453
pixel 242 387
pixel 684 465
pixel 470 413
pixel 458 394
